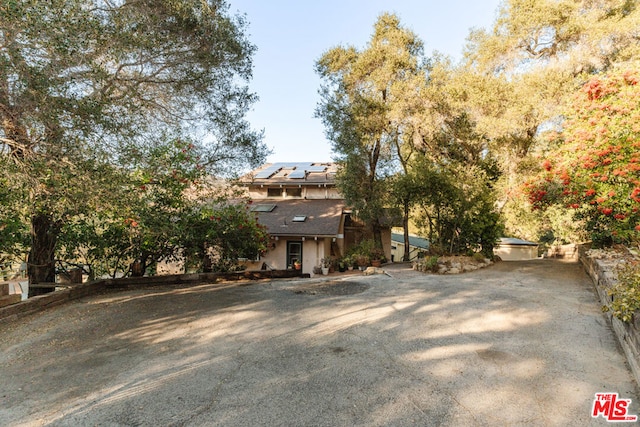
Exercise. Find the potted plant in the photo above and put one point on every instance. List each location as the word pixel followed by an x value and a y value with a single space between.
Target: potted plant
pixel 296 264
pixel 348 262
pixel 377 256
pixel 325 263
pixel 362 261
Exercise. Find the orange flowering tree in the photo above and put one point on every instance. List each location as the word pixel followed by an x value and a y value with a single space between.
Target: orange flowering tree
pixel 594 169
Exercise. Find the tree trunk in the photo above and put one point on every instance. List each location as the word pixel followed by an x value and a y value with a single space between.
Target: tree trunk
pixel 41 260
pixel 405 226
pixel 207 265
pixel 376 230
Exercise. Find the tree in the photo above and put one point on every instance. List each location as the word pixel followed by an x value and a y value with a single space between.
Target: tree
pixel 594 168
pixel 220 234
pixel 516 77
pixel 81 79
pixel 365 112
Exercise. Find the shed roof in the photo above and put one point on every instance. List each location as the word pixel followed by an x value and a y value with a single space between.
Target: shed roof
pixel 414 241
pixel 513 241
pixel 313 217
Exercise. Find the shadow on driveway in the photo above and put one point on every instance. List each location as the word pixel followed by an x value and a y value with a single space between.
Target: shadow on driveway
pixel 521 343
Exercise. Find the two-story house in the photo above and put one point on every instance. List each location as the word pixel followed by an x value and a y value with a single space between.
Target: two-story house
pixel 303 211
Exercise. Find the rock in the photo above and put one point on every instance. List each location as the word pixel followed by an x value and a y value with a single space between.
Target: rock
pixel 453 270
pixel 373 270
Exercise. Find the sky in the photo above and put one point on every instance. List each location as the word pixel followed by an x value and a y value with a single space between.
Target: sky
pixel 291 35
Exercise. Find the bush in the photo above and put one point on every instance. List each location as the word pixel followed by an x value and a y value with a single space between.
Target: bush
pixel 626 293
pixel 478 257
pixel 431 264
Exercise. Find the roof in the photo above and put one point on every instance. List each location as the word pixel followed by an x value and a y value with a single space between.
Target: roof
pixel 293 173
pixel 415 241
pixel 315 217
pixel 513 241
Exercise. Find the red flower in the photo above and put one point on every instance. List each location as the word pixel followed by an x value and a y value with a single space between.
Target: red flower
pixel 637 227
pixel 607 211
pixel 546 165
pixel 619 216
pixel 590 192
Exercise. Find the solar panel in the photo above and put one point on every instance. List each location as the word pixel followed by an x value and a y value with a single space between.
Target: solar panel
pixel 298 174
pixel 268 172
pixel 316 168
pixel 293 165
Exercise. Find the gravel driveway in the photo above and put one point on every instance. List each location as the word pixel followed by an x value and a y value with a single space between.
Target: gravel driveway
pixel 521 343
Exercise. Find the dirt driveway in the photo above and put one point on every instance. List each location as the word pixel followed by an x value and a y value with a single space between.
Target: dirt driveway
pixel 515 344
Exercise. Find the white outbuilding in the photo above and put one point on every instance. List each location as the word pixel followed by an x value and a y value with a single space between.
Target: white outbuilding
pixel 513 249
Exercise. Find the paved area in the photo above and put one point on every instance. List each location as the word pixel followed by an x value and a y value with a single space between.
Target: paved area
pixel 517 344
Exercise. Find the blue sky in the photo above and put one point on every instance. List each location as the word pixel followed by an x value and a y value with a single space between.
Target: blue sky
pixel 292 35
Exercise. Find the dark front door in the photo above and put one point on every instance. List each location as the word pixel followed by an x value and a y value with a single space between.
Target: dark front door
pixel 294 252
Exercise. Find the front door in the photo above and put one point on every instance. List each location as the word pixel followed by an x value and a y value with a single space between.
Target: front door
pixel 294 252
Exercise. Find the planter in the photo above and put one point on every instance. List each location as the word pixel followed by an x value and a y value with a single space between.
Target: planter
pixel 325 271
pixel 376 263
pixel 297 266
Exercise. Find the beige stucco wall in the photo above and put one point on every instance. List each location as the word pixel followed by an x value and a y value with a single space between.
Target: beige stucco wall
pixel 312 192
pixel 312 252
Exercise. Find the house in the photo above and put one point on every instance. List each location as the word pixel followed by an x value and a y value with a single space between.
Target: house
pixel 305 214
pixel 418 246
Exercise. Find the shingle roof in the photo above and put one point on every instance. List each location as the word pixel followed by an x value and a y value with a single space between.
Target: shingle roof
pixel 322 217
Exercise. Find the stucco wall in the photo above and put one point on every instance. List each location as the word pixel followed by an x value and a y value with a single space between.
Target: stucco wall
pixel 312 252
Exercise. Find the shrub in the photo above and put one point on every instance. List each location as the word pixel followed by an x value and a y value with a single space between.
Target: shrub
pixel 626 293
pixel 431 263
pixel 479 257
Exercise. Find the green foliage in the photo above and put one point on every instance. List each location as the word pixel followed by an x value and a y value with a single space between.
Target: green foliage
pixel 595 169
pixel 431 263
pixel 626 293
pixel 457 207
pixel 218 235
pixel 83 83
pixel 364 106
pixel 365 251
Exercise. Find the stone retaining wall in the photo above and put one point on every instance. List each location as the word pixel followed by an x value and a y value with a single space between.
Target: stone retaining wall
pixel 602 272
pixel 72 292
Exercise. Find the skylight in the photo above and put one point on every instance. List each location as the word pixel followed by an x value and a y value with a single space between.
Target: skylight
pixel 299 218
pixel 262 208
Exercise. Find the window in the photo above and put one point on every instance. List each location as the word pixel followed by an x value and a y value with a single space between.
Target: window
pixel 294 192
pixel 299 218
pixel 274 192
